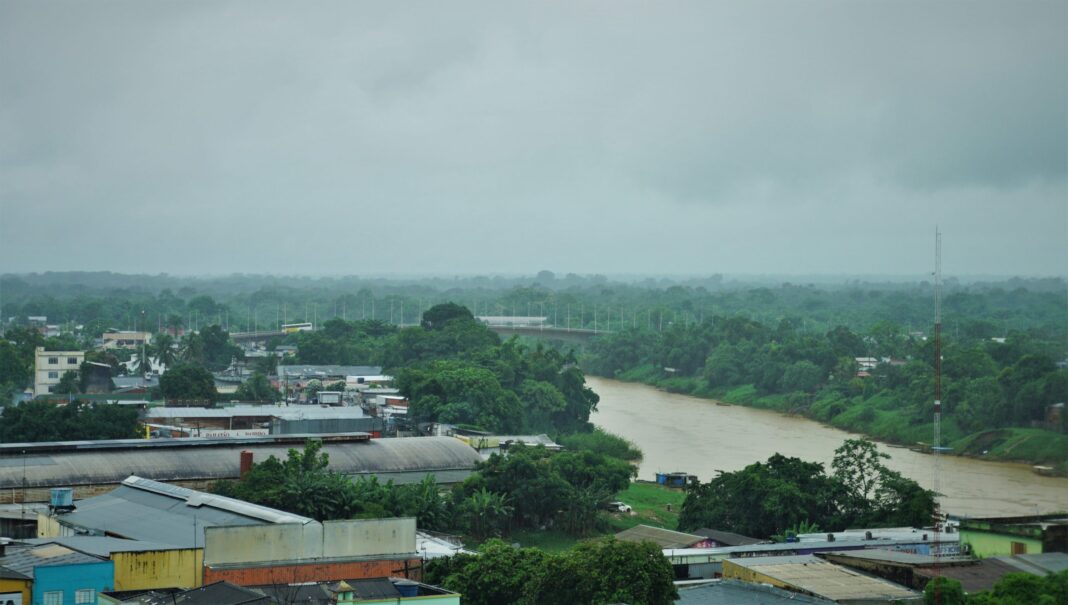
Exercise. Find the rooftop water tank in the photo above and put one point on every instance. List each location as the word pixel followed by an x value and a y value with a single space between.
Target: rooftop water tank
pixel 407 588
pixel 62 498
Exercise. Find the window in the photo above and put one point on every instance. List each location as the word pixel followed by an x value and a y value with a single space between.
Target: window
pixel 54 597
pixel 53 375
pixel 72 361
pixel 85 595
pixel 53 361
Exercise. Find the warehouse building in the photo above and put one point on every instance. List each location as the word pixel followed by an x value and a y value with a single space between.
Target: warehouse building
pixel 201 538
pixel 28 471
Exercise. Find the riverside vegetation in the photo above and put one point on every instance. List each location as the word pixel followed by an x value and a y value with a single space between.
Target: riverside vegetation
pixel 998 394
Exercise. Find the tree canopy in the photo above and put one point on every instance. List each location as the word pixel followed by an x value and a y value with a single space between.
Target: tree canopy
pixel 188 382
pixel 44 421
pixel 594 572
pixel 768 498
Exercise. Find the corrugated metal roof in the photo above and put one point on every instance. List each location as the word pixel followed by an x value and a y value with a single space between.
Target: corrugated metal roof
pixel 291 412
pixel 664 538
pixel 896 557
pixel 103 546
pixel 23 559
pixel 823 579
pixel 727 538
pixel 734 592
pixel 318 371
pixel 373 588
pixel 974 578
pixel 1048 562
pixel 169 515
pixel 11 574
pixel 220 459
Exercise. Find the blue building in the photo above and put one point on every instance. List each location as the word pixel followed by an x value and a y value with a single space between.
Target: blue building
pixel 61 576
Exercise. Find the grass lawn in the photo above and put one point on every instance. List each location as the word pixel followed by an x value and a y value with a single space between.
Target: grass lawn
pixel 549 540
pixel 650 503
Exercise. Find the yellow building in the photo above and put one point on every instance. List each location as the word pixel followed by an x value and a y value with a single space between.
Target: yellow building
pixel 13 584
pixel 138 565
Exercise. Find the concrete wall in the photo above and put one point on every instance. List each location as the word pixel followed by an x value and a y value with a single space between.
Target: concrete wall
pixel 158 569
pixel 295 541
pixel 368 537
pixel 260 543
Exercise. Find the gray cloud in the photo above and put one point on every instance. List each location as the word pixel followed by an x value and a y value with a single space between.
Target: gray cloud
pixel 346 137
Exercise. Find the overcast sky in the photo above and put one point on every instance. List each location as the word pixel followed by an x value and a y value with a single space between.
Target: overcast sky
pixel 498 137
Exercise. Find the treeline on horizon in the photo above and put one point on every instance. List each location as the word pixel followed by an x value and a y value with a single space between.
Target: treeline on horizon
pixel 103 301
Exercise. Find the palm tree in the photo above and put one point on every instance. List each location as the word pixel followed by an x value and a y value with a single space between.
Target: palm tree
pixel 163 349
pixel 485 512
pixel 192 349
pixel 143 360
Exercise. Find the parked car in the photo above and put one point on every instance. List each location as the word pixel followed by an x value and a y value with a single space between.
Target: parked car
pixel 618 507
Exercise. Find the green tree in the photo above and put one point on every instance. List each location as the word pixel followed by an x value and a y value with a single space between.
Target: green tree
pixel 257 388
pixel 498 575
pixel 438 316
pixel 764 499
pixel 16 366
pixel 803 376
pixel 602 442
pixel 300 484
pixel 41 421
pixel 191 349
pixel 858 466
pixel 598 572
pixel 188 382
pixel 484 513
pixel 944 591
pixel 163 349
pixel 68 383
pixel 143 360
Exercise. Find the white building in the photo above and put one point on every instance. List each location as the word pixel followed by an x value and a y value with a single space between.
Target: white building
pixel 49 367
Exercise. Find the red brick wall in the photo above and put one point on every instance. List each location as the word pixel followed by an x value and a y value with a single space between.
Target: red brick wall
pixel 315 572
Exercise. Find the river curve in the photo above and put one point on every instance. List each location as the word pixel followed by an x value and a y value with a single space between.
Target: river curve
pixel 699 436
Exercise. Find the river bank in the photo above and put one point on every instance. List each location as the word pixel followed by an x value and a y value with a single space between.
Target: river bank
pixel 1029 446
pixel 682 432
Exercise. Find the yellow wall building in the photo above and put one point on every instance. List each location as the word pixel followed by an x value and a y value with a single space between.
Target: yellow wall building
pixel 138 565
pixel 13 583
pixel 158 569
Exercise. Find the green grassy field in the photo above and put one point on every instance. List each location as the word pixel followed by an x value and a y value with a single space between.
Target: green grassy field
pixel 549 540
pixel 650 503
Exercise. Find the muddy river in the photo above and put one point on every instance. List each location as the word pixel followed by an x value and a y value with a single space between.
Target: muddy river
pixel 683 433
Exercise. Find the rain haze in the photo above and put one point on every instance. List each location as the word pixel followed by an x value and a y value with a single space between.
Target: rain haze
pixel 612 137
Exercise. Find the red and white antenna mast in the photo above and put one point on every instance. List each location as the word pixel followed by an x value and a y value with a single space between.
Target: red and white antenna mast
pixel 936 446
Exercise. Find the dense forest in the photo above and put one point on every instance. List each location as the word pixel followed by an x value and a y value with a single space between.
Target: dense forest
pixel 102 301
